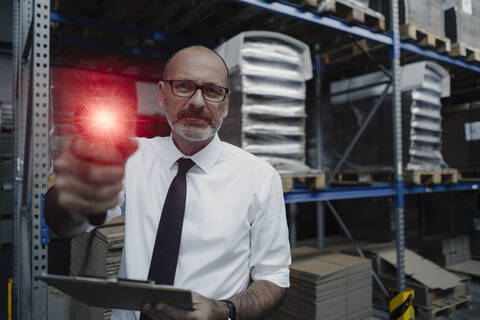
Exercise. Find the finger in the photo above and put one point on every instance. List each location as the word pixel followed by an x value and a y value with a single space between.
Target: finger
pixel 172 312
pixel 107 153
pixel 88 191
pixel 72 203
pixel 89 172
pixel 155 315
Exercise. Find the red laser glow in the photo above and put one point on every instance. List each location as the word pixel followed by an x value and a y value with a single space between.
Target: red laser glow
pixel 103 125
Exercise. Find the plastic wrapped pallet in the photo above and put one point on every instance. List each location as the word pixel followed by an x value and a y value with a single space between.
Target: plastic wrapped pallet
pixel 422 86
pixel 267 106
pixel 461 136
pixel 461 27
pixel 427 14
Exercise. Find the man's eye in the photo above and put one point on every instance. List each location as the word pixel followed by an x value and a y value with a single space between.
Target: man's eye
pixel 213 90
pixel 184 86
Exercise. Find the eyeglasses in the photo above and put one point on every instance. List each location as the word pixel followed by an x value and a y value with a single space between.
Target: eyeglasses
pixel 186 89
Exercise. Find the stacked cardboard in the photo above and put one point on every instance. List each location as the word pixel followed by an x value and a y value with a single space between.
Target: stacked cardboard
pixel 462 27
pixel 432 283
pixel 97 253
pixel 475 244
pixel 446 250
pixel 331 286
pixel 461 135
pixel 428 14
pixel 372 219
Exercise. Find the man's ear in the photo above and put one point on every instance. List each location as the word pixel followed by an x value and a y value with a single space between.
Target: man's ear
pixel 161 94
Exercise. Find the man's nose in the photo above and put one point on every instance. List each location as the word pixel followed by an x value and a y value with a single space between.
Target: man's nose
pixel 197 99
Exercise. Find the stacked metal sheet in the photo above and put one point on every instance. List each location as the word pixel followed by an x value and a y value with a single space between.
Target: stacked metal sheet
pixel 446 250
pixel 331 286
pixel 422 86
pixel 97 253
pixel 267 105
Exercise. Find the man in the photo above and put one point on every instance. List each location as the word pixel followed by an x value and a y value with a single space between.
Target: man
pixel 234 239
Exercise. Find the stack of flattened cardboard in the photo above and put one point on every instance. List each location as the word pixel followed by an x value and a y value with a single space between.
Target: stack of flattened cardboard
pixel 433 285
pixel 97 253
pixel 331 286
pixel 475 244
pixel 446 250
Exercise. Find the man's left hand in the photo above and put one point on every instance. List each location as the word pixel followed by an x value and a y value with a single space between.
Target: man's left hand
pixel 203 309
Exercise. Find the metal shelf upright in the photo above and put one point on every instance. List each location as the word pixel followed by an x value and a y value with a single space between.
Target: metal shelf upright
pixel 31 45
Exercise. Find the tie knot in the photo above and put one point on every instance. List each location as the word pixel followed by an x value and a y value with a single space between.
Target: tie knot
pixel 184 165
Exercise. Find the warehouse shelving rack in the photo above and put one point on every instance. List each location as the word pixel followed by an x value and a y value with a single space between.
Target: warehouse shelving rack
pixel 31 59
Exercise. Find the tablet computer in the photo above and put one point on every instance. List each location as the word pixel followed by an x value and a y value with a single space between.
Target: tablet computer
pixel 118 293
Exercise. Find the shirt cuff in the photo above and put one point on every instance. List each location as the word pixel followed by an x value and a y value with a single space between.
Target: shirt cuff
pixel 278 275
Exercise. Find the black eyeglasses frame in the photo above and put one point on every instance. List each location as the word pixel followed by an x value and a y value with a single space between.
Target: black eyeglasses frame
pixel 170 82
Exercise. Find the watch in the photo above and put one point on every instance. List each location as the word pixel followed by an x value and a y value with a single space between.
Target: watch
pixel 232 313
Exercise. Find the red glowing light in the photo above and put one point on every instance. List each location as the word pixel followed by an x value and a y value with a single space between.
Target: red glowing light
pixel 103 124
pixel 103 121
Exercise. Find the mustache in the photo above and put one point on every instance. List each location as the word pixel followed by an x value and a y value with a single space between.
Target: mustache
pixel 193 113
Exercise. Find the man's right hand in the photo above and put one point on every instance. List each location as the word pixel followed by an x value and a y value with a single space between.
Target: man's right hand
pixel 88 179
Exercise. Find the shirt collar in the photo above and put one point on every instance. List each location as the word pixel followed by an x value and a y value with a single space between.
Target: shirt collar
pixel 204 158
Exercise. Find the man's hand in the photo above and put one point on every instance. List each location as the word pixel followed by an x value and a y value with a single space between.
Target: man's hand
pixel 203 309
pixel 88 181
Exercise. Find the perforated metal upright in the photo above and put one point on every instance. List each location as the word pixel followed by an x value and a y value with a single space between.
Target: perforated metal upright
pixel 31 45
pixel 397 145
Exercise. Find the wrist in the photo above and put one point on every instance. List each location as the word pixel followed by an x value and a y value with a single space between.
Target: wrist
pixel 232 312
pixel 223 311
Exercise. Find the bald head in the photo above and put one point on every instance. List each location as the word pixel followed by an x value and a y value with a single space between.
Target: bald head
pixel 196 54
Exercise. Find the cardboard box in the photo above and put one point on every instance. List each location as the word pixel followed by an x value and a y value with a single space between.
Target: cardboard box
pixel 329 286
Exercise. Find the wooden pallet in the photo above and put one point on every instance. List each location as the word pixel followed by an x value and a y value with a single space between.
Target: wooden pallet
pixel 466 52
pixel 349 51
pixel 420 177
pixel 422 37
pixel 353 13
pixel 446 307
pixel 470 175
pixel 358 177
pixel 306 4
pixel 314 181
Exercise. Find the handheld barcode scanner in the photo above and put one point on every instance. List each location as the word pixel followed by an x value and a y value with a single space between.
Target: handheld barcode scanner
pixel 105 131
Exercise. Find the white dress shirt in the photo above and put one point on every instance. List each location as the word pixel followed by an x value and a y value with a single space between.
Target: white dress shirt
pixel 234 227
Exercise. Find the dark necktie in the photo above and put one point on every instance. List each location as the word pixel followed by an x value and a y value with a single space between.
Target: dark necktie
pixel 169 233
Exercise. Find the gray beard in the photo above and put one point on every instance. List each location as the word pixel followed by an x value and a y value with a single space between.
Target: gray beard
pixel 195 133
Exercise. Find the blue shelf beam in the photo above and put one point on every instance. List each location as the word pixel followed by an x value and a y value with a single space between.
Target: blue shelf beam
pixel 122 28
pixel 339 193
pixel 297 12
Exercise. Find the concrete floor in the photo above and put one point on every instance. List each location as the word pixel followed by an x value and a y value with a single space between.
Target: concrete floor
pixel 59 307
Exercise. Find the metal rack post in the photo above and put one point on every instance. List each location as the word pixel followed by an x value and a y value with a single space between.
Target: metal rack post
pixel 22 15
pixel 31 46
pixel 397 146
